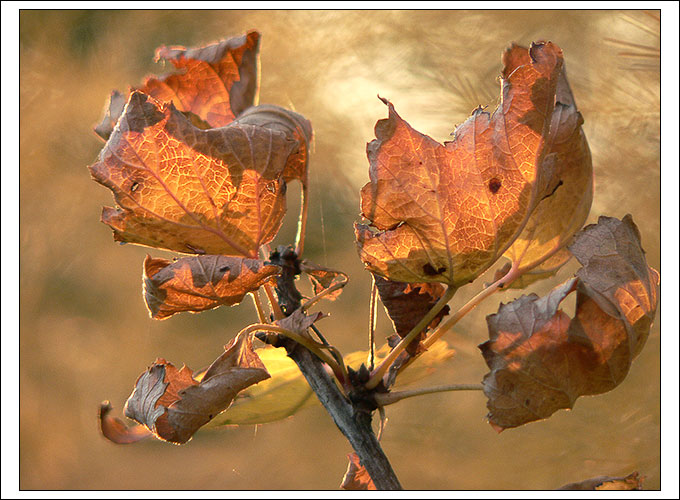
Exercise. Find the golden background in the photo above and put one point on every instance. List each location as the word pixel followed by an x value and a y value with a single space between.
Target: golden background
pixel 85 333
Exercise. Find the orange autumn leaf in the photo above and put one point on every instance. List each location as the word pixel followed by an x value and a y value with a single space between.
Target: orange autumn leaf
pixel 173 405
pixel 181 188
pixel 216 82
pixel 446 212
pixel 323 279
pixel 201 282
pixel 356 477
pixel 541 360
pixel 563 212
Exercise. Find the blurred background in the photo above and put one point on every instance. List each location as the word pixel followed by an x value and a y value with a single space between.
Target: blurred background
pixel 85 333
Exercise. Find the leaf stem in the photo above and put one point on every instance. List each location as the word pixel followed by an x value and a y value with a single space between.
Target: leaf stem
pixel 317 349
pixel 384 399
pixel 509 277
pixel 273 303
pixel 372 324
pixel 380 371
pixel 337 286
pixel 302 221
pixel 258 305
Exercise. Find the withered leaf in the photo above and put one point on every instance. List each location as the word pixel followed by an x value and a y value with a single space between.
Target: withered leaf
pixel 173 405
pixel 407 303
pixel 447 212
pixel 356 477
pixel 295 126
pixel 323 278
pixel 285 393
pixel 115 430
pixel 216 191
pixel 615 272
pixel 541 360
pixel 201 282
pixel 632 481
pixel 563 212
pixel 216 82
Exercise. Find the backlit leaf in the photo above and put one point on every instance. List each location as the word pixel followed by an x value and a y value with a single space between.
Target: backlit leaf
pixel 216 83
pixel 216 191
pixel 115 430
pixel 447 212
pixel 541 360
pixel 323 279
pixel 561 213
pixel 356 476
pixel 200 282
pixel 173 405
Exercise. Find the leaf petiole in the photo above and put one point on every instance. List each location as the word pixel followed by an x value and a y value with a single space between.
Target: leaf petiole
pixel 380 371
pixel 339 370
pixel 509 277
pixel 384 399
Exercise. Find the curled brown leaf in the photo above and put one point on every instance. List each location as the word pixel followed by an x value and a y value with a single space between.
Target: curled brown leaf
pixel 173 405
pixel 201 282
pixel 541 360
pixel 115 430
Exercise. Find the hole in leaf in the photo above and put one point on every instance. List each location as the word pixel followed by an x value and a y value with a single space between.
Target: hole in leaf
pixel 134 187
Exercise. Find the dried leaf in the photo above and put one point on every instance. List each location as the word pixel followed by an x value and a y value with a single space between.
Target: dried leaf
pixel 323 279
pixel 356 477
pixel 284 394
pixel 632 481
pixel 447 212
pixel 541 360
pixel 407 303
pixel 296 127
pixel 216 83
pixel 173 405
pixel 200 283
pixel 115 430
pixel 217 191
pixel 615 272
pixel 563 212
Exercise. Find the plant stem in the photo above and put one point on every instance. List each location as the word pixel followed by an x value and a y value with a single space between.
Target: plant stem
pixel 379 372
pixel 384 399
pixel 302 221
pixel 355 426
pixel 310 302
pixel 371 325
pixel 258 305
pixel 273 303
pixel 510 276
pixel 338 369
